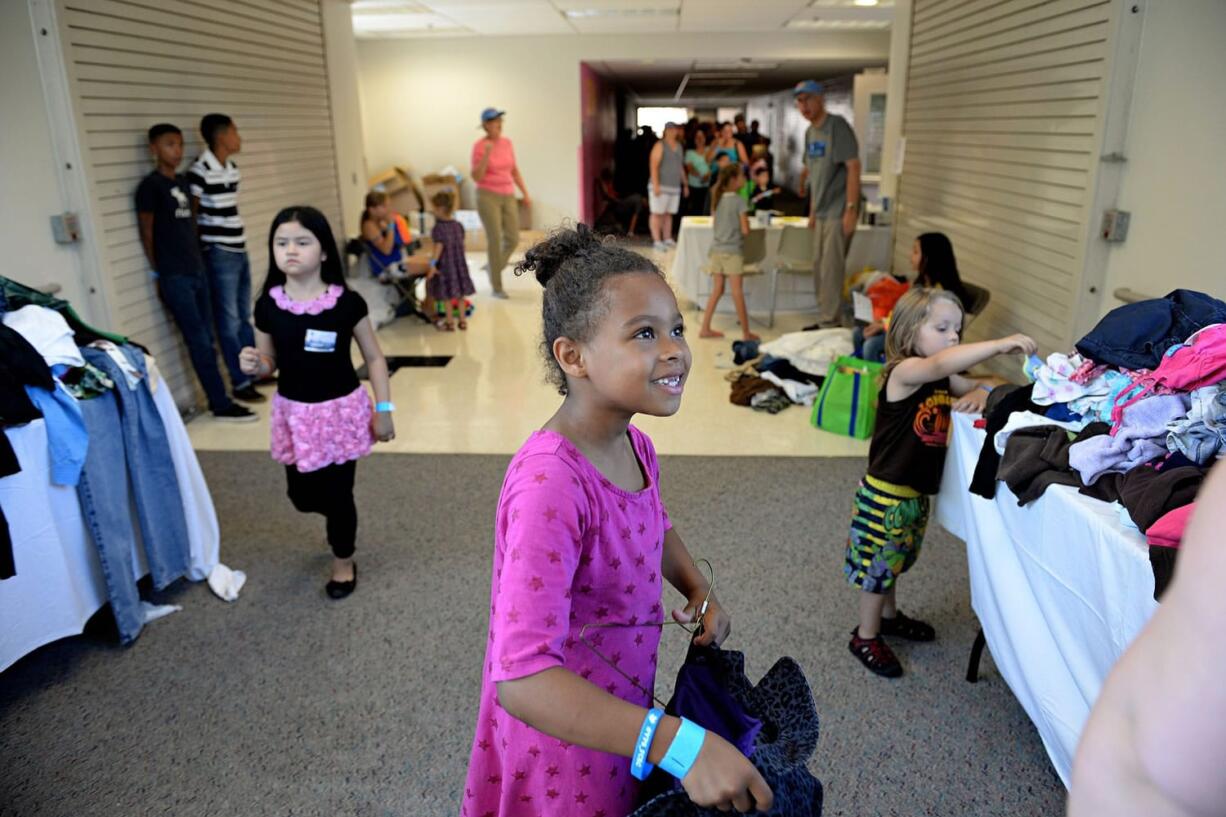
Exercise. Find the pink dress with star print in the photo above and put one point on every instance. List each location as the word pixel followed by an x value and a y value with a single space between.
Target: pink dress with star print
pixel 570 549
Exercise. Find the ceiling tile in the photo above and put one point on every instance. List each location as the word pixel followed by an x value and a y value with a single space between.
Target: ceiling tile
pixel 738 15
pixel 507 17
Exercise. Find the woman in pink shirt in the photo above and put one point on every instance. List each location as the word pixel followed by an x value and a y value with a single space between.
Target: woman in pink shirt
pixel 497 176
pixel 582 540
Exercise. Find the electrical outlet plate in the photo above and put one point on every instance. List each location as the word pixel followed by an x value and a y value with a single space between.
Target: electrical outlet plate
pixel 1115 225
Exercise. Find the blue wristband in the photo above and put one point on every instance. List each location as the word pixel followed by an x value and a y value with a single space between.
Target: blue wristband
pixel 639 767
pixel 385 407
pixel 684 749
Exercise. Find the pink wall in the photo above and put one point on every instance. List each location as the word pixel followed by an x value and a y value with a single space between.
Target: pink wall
pixel 598 115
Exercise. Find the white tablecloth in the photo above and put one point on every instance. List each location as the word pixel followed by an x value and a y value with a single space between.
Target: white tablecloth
pixel 59 582
pixel 870 248
pixel 1060 587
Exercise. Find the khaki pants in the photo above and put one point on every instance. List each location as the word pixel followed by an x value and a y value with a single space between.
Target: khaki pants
pixel 500 220
pixel 829 269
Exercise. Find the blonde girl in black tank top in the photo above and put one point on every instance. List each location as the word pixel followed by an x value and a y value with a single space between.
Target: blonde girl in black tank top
pixel 922 381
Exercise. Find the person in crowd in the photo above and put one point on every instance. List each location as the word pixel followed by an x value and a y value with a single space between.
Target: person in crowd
pixel 624 210
pixel 668 185
pixel 1153 744
pixel 213 179
pixel 582 538
pixel 744 135
pixel 905 460
pixel 758 191
pixel 698 174
pixel 306 319
pixel 934 265
pixel 643 143
pixel 726 259
pixel 727 144
pixel 832 175
pixel 448 282
pixel 168 235
pixel 496 173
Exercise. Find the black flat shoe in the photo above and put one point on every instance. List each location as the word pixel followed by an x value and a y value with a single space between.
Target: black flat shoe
pixel 339 590
pixel 908 628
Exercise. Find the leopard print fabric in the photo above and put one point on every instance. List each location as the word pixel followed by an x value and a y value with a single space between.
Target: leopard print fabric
pixel 783 701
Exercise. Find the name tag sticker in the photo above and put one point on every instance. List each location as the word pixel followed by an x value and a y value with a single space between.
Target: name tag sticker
pixel 816 149
pixel 319 341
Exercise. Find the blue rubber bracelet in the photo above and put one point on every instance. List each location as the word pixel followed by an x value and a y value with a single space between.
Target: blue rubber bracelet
pixel 385 407
pixel 639 767
pixel 684 749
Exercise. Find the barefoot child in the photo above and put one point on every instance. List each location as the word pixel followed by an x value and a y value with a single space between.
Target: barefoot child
pixel 726 259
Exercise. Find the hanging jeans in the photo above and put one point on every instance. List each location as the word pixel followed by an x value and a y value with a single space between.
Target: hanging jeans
pixel 151 469
pixel 103 491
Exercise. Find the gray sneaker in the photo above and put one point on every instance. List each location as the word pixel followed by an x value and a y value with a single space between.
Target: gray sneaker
pixel 501 294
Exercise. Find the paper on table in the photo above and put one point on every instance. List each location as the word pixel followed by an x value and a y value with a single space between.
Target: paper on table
pixel 862 307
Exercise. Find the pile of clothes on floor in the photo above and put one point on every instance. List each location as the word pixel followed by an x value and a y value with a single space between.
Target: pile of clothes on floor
pixel 786 371
pixel 1135 416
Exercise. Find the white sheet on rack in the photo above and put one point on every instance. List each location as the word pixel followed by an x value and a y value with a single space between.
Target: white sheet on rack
pixel 1060 588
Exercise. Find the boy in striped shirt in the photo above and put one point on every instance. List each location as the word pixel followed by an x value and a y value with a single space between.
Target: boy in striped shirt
pixel 213 180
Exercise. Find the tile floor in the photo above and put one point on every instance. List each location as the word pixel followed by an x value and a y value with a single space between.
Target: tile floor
pixel 492 394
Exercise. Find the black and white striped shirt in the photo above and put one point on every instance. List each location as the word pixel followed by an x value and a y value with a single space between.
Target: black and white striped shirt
pixel 217 188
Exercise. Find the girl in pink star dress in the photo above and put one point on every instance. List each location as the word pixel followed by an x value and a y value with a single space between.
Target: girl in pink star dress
pixel 583 538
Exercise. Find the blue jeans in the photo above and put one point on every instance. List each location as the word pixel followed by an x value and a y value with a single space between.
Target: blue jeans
pixel 230 283
pixel 151 470
pixel 187 298
pixel 103 491
pixel 871 347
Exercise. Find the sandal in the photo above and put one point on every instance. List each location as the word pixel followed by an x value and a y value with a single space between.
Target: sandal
pixel 440 325
pixel 908 628
pixel 463 325
pixel 875 655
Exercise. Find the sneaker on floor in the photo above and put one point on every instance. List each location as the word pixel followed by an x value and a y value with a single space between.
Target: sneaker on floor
pixel 908 628
pixel 248 394
pixel 501 294
pixel 669 243
pixel 659 246
pixel 236 414
pixel 875 655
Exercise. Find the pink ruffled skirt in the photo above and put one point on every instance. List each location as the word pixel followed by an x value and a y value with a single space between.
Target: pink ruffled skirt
pixel 315 435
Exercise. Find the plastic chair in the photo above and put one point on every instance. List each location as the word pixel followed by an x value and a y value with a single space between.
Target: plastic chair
pixel 978 297
pixel 753 250
pixel 795 257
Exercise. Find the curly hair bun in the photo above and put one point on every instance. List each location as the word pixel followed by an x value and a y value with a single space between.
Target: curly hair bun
pixel 546 258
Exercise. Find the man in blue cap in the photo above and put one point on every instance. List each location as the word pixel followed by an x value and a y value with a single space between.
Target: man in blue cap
pixel 832 179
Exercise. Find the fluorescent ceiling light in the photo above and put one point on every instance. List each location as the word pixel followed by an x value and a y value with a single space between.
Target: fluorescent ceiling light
pixel 864 2
pixel 590 13
pixel 839 24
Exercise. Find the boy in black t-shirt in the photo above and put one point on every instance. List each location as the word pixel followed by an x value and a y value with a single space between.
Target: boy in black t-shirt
pixel 168 235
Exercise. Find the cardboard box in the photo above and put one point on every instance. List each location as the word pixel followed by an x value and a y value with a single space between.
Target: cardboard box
pixel 402 190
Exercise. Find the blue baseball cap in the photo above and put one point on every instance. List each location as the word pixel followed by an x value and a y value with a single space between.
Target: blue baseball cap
pixel 490 113
pixel 808 86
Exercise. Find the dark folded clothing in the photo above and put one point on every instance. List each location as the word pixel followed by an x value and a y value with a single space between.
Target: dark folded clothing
pixel 1003 401
pixel 1148 493
pixel 744 389
pixel 1037 457
pixel 782 368
pixel 1162 560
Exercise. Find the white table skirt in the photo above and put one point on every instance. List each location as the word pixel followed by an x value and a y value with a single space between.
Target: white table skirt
pixel 870 248
pixel 1060 587
pixel 59 582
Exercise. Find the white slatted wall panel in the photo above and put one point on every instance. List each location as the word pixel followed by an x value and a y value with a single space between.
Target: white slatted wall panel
pixel 1001 123
pixel 133 63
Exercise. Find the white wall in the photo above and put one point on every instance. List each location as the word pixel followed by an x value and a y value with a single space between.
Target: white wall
pixel 29 188
pixel 1174 181
pixel 342 57
pixel 421 97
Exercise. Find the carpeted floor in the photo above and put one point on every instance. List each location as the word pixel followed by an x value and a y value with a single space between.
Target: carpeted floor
pixel 286 703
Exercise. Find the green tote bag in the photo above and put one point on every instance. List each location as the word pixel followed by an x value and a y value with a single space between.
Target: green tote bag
pixel 847 403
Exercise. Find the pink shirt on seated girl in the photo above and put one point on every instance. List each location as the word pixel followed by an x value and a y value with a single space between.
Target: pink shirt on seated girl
pixel 497 177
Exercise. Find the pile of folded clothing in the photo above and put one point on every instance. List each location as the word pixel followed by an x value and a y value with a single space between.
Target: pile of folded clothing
pixel 1136 415
pixel 786 371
